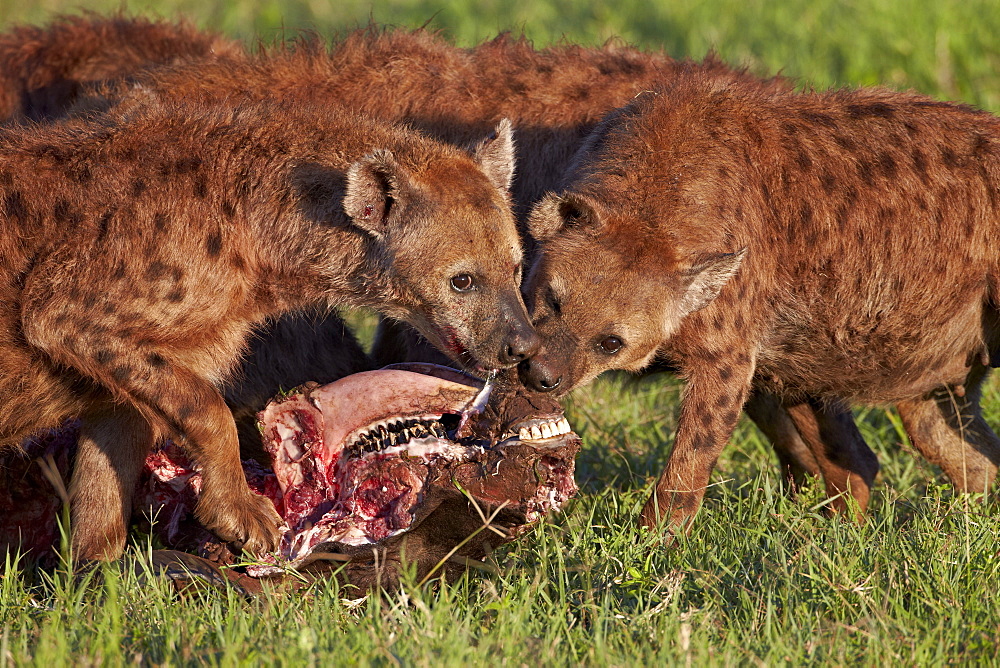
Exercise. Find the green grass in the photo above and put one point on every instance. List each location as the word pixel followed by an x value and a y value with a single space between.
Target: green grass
pixel 763 579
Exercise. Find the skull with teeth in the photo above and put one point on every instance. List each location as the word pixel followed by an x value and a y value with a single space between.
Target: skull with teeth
pixel 402 465
pixel 371 471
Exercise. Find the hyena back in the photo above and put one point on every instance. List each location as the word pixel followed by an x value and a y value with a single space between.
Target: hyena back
pixel 43 70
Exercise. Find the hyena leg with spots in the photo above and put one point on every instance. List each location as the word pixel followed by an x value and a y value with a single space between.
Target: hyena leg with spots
pixel 949 431
pixel 713 399
pixel 114 440
pixel 178 403
pixel 845 461
pixel 33 394
pixel 193 412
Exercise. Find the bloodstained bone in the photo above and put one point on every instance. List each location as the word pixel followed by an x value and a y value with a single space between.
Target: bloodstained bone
pixel 415 496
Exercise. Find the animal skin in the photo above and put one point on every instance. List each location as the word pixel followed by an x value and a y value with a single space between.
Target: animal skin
pixel 140 248
pixel 829 248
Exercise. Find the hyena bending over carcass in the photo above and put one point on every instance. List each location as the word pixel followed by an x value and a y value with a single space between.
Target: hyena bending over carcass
pixel 46 72
pixel 554 96
pixel 141 247
pixel 839 246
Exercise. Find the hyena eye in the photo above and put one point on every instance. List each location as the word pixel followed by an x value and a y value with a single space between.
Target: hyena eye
pixel 462 283
pixel 610 345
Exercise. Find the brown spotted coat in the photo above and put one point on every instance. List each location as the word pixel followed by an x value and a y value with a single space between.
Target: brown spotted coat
pixel 140 249
pixel 44 70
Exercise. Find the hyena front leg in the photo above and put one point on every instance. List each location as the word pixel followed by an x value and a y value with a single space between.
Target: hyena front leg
pixel 713 399
pixel 178 403
pixel 113 443
pixel 193 411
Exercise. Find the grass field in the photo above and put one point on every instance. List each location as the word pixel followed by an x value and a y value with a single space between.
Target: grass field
pixel 763 579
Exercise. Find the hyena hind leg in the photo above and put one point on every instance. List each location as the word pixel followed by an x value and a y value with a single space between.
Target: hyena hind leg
pixel 949 431
pixel 35 395
pixel 845 461
pixel 794 457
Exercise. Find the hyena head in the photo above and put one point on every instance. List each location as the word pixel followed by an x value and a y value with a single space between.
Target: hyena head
pixel 450 246
pixel 605 293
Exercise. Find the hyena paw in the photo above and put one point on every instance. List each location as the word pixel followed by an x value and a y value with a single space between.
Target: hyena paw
pixel 249 520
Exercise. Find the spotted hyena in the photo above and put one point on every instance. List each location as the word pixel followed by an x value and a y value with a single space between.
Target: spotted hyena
pixel 141 247
pixel 554 96
pixel 45 72
pixel 833 247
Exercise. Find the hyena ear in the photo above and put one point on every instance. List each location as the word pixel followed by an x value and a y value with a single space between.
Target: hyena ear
pixel 373 188
pixel 703 282
pixel 556 212
pixel 495 155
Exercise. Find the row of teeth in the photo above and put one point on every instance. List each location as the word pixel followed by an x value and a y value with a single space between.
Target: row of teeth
pixel 396 432
pixel 537 432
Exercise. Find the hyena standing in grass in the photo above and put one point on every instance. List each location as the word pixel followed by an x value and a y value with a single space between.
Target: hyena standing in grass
pixel 141 247
pixel 554 97
pixel 838 245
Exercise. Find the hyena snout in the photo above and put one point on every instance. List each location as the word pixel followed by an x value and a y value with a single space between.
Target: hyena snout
pixel 519 340
pixel 539 377
pixel 519 346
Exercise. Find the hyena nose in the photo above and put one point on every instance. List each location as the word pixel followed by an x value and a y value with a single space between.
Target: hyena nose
pixel 537 377
pixel 520 347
